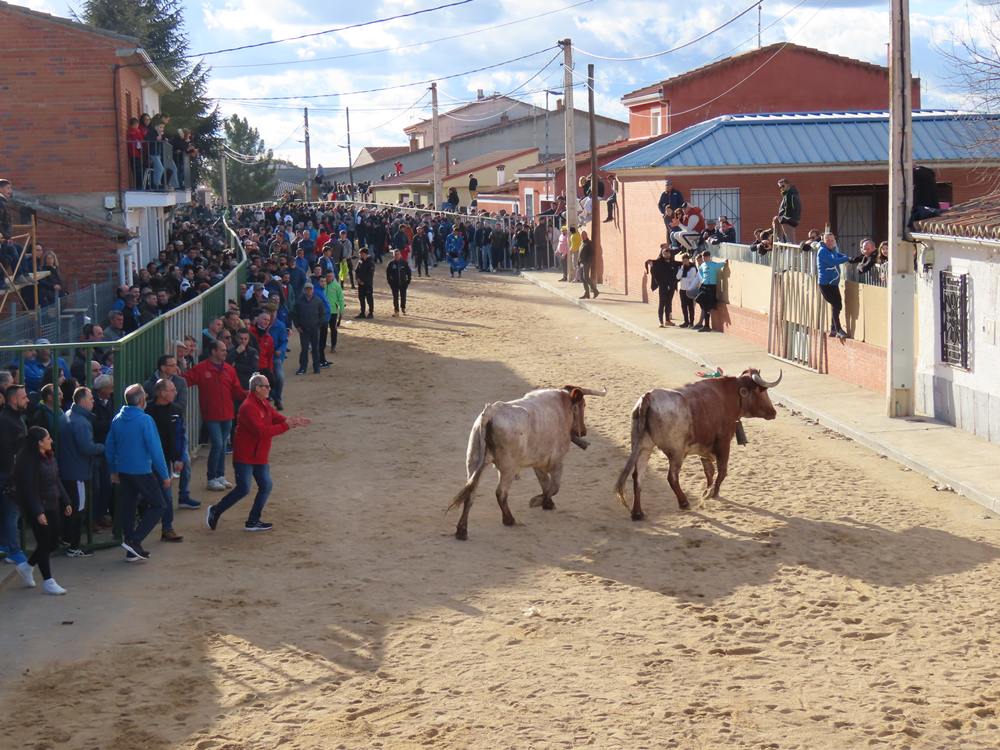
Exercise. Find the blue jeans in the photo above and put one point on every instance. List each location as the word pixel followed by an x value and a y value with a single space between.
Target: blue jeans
pixel 218 433
pixel 262 475
pixel 131 487
pixel 158 170
pixel 278 384
pixel 485 258
pixel 9 538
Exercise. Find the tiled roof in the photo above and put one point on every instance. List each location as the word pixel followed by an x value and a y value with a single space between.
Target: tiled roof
pixel 805 139
pixel 378 153
pixel 770 49
pixel 462 169
pixel 615 147
pixel 976 219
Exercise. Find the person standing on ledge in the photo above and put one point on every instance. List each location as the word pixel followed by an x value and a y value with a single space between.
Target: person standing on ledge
pixel 708 271
pixel 257 423
pixel 587 266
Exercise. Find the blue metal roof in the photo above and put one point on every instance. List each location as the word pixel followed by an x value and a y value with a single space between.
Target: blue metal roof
pixel 816 138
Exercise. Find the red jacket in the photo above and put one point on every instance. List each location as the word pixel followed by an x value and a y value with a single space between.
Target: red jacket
pixel 135 136
pixel 257 423
pixel 265 348
pixel 218 387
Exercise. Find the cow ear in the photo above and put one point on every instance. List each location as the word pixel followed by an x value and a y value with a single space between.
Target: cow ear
pixel 576 395
pixel 744 392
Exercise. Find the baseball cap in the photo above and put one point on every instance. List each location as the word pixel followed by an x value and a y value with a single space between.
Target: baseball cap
pixel 42 342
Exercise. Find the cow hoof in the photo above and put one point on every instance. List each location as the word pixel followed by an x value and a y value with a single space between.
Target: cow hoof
pixel 547 504
pixel 509 521
pixel 536 501
pixel 684 505
pixel 461 534
pixel 638 516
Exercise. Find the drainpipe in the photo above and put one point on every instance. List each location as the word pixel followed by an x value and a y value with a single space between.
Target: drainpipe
pixel 118 140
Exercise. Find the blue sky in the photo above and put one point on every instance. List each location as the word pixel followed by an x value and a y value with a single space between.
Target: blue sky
pixel 612 28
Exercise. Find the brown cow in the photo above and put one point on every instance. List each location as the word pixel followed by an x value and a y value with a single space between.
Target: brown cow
pixel 700 418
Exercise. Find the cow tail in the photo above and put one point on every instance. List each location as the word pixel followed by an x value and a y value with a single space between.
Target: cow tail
pixel 638 431
pixel 477 455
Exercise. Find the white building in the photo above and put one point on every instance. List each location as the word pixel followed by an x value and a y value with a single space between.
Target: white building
pixel 958 308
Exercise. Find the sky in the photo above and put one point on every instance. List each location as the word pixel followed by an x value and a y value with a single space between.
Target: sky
pixel 404 51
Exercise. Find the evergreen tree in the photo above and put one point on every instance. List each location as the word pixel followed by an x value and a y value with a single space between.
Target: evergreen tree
pixel 247 182
pixel 157 24
pixel 190 108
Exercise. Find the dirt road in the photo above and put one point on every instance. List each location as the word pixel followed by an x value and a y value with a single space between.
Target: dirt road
pixel 829 599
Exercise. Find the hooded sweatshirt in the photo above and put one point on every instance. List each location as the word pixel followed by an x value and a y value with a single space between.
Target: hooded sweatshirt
pixel 133 444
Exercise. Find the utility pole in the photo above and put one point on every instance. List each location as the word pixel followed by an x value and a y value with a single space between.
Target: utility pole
pixel 902 278
pixel 595 200
pixel 225 185
pixel 760 11
pixel 350 160
pixel 436 151
pixel 308 193
pixel 569 134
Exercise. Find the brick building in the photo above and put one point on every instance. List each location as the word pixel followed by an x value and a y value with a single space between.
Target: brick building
pixel 68 91
pixel 782 77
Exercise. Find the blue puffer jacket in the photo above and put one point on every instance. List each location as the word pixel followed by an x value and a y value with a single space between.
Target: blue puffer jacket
pixel 279 332
pixel 77 449
pixel 828 260
pixel 34 371
pixel 133 445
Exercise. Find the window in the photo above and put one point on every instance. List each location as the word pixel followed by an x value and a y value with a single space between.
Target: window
pixel 717 202
pixel 655 121
pixel 955 319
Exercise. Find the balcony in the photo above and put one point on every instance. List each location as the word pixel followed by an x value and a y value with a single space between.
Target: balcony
pixel 159 176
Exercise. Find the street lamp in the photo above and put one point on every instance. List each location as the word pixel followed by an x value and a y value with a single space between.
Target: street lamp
pixel 547 157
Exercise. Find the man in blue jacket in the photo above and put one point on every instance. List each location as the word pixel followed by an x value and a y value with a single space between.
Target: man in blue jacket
pixel 137 466
pixel 279 332
pixel 828 262
pixel 77 455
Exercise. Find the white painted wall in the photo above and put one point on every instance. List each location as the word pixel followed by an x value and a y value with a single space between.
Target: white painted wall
pixel 969 399
pixel 150 100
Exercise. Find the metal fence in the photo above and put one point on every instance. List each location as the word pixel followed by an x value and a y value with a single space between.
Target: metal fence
pixel 875 276
pixel 742 253
pixel 61 321
pixel 135 355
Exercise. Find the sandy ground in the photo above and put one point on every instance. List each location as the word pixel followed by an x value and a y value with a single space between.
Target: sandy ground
pixel 829 599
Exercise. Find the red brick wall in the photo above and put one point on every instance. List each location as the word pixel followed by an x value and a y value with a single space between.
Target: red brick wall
pixel 786 84
pixel 83 257
pixel 58 115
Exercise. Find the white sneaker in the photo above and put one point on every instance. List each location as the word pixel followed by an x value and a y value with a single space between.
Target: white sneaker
pixel 216 485
pixel 27 574
pixel 226 484
pixel 49 586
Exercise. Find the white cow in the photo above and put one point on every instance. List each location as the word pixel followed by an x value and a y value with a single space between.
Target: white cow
pixel 534 431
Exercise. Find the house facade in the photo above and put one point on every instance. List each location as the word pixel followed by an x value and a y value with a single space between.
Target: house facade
pixel 958 313
pixel 782 77
pixel 729 166
pixel 68 96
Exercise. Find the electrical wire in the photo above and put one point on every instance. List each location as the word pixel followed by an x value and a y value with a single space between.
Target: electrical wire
pixel 673 49
pixel 392 119
pixel 504 96
pixel 384 88
pixel 479 30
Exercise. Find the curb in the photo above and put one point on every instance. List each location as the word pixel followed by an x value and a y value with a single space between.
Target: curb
pixel 956 482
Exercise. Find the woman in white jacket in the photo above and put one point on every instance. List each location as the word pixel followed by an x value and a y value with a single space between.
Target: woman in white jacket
pixel 687 278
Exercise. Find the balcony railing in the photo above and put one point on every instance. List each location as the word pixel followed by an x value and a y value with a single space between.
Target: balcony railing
pixel 158 166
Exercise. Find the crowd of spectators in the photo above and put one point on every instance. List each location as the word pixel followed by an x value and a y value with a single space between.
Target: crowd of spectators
pixel 157 153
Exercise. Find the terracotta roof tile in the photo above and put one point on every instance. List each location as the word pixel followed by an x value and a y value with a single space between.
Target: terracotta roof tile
pixel 976 219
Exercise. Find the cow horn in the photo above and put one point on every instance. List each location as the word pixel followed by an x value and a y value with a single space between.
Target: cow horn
pixel 763 383
pixel 594 392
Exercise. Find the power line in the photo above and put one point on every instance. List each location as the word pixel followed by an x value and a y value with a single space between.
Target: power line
pixel 504 96
pixel 479 30
pixel 328 31
pixel 673 49
pixel 385 88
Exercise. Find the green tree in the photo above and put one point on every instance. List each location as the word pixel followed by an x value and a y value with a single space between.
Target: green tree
pixel 191 108
pixel 250 180
pixel 157 24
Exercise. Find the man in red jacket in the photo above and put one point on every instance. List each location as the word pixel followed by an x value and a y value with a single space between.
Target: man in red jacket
pixel 218 388
pixel 263 343
pixel 257 424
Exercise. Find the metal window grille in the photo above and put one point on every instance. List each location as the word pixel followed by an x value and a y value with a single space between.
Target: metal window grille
pixel 719 202
pixel 955 319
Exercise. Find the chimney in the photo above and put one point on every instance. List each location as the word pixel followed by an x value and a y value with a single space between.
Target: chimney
pixel 413 143
pixel 479 94
pixel 559 104
pixel 501 174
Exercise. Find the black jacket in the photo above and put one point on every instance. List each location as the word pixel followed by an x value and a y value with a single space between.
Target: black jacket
pixel 166 417
pixel 663 273
pixel 12 432
pixel 103 414
pixel 245 364
pixel 587 252
pixel 6 230
pixel 38 487
pixel 791 204
pixel 420 245
pixel 365 272
pixel 309 313
pixel 398 274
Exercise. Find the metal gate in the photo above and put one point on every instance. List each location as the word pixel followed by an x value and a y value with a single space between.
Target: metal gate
pixel 718 202
pixel 797 315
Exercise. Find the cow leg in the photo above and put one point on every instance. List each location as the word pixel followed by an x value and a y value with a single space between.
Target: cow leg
pixel 503 488
pixel 722 458
pixel 545 499
pixel 555 477
pixel 674 479
pixel 640 468
pixel 462 529
pixel 709 467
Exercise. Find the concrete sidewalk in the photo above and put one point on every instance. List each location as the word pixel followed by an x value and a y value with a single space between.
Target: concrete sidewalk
pixel 949 456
